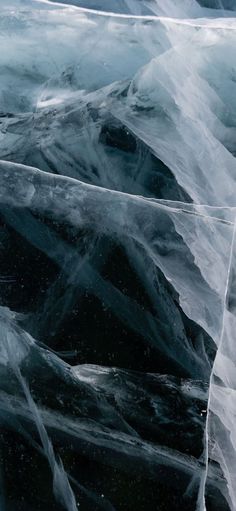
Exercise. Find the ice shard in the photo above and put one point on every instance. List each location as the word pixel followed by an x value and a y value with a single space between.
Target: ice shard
pixel 118 254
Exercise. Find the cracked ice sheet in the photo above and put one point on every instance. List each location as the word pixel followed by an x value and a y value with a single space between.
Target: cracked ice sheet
pixel 147 89
pixel 179 252
pixel 184 249
pixel 156 229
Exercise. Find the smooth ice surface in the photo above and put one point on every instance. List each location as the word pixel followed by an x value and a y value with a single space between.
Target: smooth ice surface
pixel 118 253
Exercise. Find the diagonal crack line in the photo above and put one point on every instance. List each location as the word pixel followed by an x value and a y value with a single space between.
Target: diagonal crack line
pixel 201 504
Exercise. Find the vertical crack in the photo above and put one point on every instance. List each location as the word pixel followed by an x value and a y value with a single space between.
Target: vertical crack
pixel 201 503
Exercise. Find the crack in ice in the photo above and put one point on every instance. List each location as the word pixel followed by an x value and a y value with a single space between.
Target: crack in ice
pixel 201 506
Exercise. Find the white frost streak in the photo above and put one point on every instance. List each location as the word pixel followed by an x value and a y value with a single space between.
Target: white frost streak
pixel 227 24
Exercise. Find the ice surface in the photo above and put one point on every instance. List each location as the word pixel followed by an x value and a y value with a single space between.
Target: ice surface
pixel 118 253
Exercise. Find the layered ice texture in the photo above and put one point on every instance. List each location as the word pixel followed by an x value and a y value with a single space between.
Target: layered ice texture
pixel 118 255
